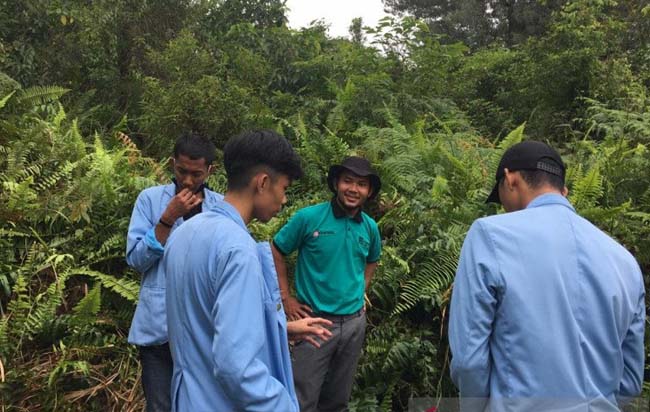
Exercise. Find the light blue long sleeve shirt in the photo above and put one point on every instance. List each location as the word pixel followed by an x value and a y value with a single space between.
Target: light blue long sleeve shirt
pixel 144 253
pixel 547 313
pixel 227 327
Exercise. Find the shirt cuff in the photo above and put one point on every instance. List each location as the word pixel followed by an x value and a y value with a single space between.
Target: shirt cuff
pixel 152 242
pixel 373 259
pixel 282 252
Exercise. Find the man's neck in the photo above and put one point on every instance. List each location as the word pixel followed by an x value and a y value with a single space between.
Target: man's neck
pixel 544 190
pixel 349 212
pixel 242 202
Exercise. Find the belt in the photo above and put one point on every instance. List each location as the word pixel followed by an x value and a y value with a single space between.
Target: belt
pixel 339 318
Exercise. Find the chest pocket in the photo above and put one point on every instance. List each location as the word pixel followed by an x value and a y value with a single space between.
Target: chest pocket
pixel 361 245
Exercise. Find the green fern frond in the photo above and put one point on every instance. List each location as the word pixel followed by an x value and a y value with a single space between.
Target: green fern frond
pixel 110 248
pixel 5 342
pixel 514 137
pixel 606 214
pixel 33 170
pixel 401 355
pixel 402 171
pixel 5 99
pixel 59 117
pixel 10 233
pixel 47 182
pixel 42 310
pixel 432 279
pixel 86 310
pixel 65 367
pixel 587 189
pixel 126 288
pixel 386 404
pixel 39 95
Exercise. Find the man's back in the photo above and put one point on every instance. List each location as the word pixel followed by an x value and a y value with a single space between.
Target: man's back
pixel 561 306
pixel 220 322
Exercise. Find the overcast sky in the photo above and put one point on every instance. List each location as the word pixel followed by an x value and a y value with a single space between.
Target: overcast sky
pixel 337 13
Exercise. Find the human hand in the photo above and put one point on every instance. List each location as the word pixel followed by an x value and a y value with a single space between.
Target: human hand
pixel 296 310
pixel 180 205
pixel 308 329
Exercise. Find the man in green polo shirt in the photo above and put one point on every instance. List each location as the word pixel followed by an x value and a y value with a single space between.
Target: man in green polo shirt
pixel 338 249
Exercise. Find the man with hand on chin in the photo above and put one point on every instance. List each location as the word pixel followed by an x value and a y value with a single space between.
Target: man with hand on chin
pixel 158 211
pixel 338 249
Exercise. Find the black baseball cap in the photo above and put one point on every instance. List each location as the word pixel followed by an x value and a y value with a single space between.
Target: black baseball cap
pixel 528 155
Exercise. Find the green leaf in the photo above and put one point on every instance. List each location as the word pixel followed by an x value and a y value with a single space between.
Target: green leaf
pixel 86 310
pixel 5 99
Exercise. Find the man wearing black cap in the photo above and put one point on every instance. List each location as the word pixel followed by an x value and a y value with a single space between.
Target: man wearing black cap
pixel 338 249
pixel 547 311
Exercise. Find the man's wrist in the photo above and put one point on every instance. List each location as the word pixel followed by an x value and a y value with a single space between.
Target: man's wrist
pixel 169 217
pixel 164 223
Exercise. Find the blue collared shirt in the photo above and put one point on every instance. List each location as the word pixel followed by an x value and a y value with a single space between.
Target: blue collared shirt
pixel 143 253
pixel 547 313
pixel 227 327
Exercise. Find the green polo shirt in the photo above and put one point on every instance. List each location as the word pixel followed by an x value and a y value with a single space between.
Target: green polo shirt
pixel 333 250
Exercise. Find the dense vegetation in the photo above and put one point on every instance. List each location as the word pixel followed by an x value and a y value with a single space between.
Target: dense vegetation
pixel 93 94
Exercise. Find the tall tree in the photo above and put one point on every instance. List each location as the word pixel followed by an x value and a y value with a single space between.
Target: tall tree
pixel 93 48
pixel 481 22
pixel 220 15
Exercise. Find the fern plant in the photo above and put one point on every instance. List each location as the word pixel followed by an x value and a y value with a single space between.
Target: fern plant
pixel 65 202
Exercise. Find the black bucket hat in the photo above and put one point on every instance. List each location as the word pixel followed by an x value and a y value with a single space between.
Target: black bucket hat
pixel 360 167
pixel 528 155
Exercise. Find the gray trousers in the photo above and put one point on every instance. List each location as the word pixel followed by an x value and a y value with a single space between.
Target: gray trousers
pixel 324 376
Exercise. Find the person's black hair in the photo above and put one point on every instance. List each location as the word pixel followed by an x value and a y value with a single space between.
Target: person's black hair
pixel 250 152
pixel 195 147
pixel 536 178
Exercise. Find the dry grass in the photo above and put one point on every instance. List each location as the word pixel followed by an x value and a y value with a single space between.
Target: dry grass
pixel 110 385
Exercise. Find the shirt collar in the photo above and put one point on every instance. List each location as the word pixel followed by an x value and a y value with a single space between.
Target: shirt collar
pixel 550 199
pixel 339 212
pixel 226 209
pixel 170 189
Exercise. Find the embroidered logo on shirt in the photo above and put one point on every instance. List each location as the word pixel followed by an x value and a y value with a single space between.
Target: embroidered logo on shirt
pixel 323 233
pixel 363 242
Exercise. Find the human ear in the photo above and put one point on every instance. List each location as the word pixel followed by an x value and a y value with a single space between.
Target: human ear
pixel 211 169
pixel 509 179
pixel 263 180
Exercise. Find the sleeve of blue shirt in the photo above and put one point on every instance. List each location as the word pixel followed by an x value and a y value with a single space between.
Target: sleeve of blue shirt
pixel 473 308
pixel 375 245
pixel 289 238
pixel 239 338
pixel 142 248
pixel 633 353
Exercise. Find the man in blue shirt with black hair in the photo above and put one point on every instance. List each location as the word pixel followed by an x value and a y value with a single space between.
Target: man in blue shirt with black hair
pixel 227 327
pixel 547 311
pixel 158 211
